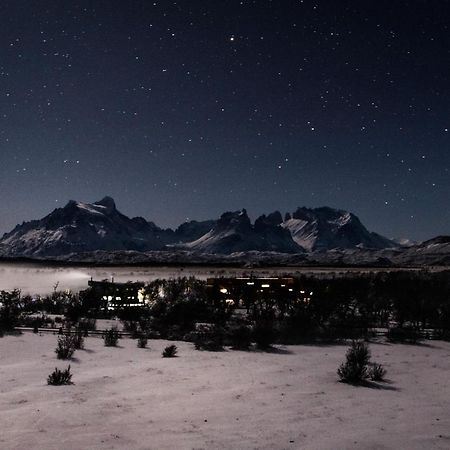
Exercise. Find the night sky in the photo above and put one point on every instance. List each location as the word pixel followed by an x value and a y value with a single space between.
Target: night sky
pixel 183 110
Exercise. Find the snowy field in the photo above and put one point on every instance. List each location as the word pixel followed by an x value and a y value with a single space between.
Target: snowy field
pixel 131 398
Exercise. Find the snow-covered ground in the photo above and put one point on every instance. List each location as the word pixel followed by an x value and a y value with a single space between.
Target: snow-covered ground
pixel 131 398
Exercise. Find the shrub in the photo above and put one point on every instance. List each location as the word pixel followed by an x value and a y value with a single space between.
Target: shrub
pixel 130 326
pixel 66 347
pixel 377 372
pixel 354 369
pixel 60 377
pixel 170 351
pixel 111 337
pixel 264 334
pixel 403 334
pixel 78 339
pixel 241 337
pixel 142 341
pixel 209 338
pixel 9 309
pixel 86 325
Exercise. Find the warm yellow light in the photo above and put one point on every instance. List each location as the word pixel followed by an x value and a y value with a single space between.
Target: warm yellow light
pixel 141 295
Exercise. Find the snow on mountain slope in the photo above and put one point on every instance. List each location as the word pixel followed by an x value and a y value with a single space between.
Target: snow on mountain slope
pixel 80 227
pixel 233 232
pixel 327 228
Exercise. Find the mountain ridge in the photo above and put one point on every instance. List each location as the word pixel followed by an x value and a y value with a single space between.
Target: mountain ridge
pixel 86 228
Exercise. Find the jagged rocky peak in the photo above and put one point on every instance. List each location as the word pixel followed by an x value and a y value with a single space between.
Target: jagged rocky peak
pixel 324 213
pixel 234 232
pixel 83 227
pixel 234 219
pixel 327 228
pixel 273 219
pixel 107 202
pixel 192 230
pixel 104 206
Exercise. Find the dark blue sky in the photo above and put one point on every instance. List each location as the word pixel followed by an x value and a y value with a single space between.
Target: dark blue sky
pixel 187 109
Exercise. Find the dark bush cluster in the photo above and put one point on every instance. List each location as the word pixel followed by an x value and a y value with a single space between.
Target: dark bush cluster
pixel 240 336
pixel 264 334
pixel 412 305
pixel 111 337
pixel 357 366
pixel 78 339
pixel 377 372
pixel 10 310
pixel 170 351
pixel 142 341
pixel 208 337
pixel 65 347
pixel 407 334
pixel 60 377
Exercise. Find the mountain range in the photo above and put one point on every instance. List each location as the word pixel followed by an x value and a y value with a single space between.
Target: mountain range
pixel 308 233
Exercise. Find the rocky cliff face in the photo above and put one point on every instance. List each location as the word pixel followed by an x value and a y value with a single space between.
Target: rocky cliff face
pixel 327 228
pixel 233 232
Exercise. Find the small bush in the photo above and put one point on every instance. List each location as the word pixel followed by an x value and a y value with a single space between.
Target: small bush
pixel 86 325
pixel 170 351
pixel 111 337
pixel 241 337
pixel 377 372
pixel 130 326
pixel 264 334
pixel 78 339
pixel 142 342
pixel 60 377
pixel 408 335
pixel 66 347
pixel 354 369
pixel 209 338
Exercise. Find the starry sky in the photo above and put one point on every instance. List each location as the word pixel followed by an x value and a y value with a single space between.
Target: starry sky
pixel 185 109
